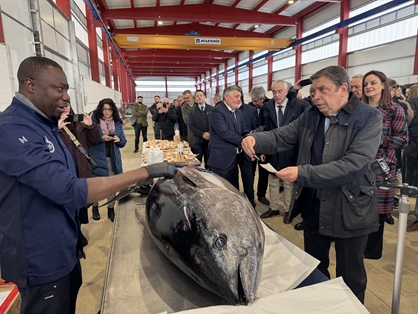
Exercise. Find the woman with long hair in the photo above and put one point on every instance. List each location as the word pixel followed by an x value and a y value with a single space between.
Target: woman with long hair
pixel 107 152
pixel 376 93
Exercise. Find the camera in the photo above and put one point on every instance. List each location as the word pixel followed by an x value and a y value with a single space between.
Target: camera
pixel 305 82
pixel 74 118
pixel 164 105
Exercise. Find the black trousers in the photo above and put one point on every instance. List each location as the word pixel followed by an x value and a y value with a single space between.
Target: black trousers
pixel 349 252
pixel 374 247
pixel 245 167
pixel 202 152
pixel 59 296
pixel 138 129
pixel 230 174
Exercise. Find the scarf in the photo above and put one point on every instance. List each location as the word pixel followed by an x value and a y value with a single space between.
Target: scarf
pixel 107 125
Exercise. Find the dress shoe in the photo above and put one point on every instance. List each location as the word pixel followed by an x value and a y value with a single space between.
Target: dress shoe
pixel 389 219
pixel 299 226
pixel 136 150
pixel 84 240
pixel 413 226
pixel 96 215
pixel 270 213
pixel 286 219
pixel 111 214
pixel 264 200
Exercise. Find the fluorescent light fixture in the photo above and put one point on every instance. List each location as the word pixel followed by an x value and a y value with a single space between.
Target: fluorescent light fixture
pixel 290 2
pixel 160 22
pixel 256 26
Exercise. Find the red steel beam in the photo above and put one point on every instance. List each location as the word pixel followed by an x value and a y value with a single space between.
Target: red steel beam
pixel 178 53
pixel 310 9
pixel 94 58
pixel 106 62
pixel 103 7
pixel 64 6
pixel 171 67
pixel 180 30
pixel 149 60
pixel 298 51
pixel 343 43
pixel 198 12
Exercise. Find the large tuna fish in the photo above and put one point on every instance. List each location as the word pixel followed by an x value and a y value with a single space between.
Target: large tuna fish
pixel 210 231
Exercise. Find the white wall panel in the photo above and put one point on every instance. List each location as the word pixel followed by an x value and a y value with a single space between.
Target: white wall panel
pixel 329 13
pixel 287 32
pixel 61 24
pixel 63 45
pixel 48 35
pixel 18 10
pixel 287 74
pixel 284 63
pixel 311 68
pixel 8 77
pixel 18 38
pixel 399 49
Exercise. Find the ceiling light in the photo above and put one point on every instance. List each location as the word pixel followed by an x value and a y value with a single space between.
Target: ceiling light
pixel 160 22
pixel 256 26
pixel 290 1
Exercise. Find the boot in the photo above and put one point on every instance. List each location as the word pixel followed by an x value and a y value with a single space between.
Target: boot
pixel 96 215
pixel 111 213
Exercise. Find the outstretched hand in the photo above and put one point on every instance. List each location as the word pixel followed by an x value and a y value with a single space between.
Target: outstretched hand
pixel 166 169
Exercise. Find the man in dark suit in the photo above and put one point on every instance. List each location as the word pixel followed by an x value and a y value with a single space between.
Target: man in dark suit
pixel 258 100
pixel 225 135
pixel 278 112
pixel 199 126
pixel 250 122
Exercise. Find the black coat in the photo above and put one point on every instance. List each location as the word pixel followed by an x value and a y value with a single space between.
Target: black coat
pixel 268 119
pixel 199 123
pixel 166 121
pixel 250 118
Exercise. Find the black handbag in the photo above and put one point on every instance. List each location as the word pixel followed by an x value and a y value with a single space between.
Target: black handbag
pixel 132 120
pixel 93 164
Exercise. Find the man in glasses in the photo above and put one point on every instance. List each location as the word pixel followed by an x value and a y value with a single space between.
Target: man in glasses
pixel 166 117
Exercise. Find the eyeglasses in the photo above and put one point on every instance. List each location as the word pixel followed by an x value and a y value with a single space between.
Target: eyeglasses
pixel 107 109
pixel 166 103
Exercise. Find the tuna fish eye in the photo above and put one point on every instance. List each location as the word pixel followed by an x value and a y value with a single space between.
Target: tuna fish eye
pixel 220 242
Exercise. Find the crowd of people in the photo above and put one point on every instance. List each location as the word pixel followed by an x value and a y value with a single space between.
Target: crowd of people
pixel 321 148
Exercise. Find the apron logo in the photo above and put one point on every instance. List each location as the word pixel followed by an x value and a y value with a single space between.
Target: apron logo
pixel 50 145
pixel 22 139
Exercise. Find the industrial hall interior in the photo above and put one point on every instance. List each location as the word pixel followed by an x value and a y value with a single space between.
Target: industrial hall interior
pixel 208 156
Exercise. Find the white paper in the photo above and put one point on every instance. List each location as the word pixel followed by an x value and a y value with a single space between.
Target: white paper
pixel 268 167
pixel 328 297
pixel 3 296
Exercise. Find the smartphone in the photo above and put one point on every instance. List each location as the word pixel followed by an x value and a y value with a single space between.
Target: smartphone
pixel 112 134
pixel 74 118
pixel 305 82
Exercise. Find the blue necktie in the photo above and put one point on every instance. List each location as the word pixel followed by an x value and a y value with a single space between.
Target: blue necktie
pixel 280 116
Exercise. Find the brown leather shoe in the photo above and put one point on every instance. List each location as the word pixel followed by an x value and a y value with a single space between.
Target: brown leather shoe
pixel 264 200
pixel 413 226
pixel 286 219
pixel 270 213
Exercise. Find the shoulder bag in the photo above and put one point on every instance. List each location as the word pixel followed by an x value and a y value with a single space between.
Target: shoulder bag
pixel 93 164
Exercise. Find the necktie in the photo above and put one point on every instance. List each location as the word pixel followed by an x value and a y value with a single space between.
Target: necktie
pixel 234 117
pixel 280 116
pixel 202 108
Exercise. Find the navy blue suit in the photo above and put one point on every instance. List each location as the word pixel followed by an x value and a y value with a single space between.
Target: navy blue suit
pixel 250 122
pixel 225 137
pixel 268 119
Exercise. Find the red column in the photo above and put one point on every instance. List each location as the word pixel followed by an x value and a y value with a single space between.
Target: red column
pixel 122 78
pixel 269 72
pixel 250 71
pixel 106 58
pixel 236 70
pixel 94 58
pixel 65 7
pixel 210 79
pixel 342 50
pixel 115 61
pixel 298 50
pixel 226 74
pixel 1 30
pixel 217 79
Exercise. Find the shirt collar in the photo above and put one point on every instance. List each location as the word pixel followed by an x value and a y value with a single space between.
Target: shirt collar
pixel 28 103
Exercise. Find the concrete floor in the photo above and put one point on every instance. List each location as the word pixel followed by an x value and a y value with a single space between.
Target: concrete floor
pixel 380 272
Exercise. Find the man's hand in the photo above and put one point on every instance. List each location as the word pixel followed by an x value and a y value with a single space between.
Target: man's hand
pixel 288 174
pixel 247 145
pixel 206 135
pixel 161 169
